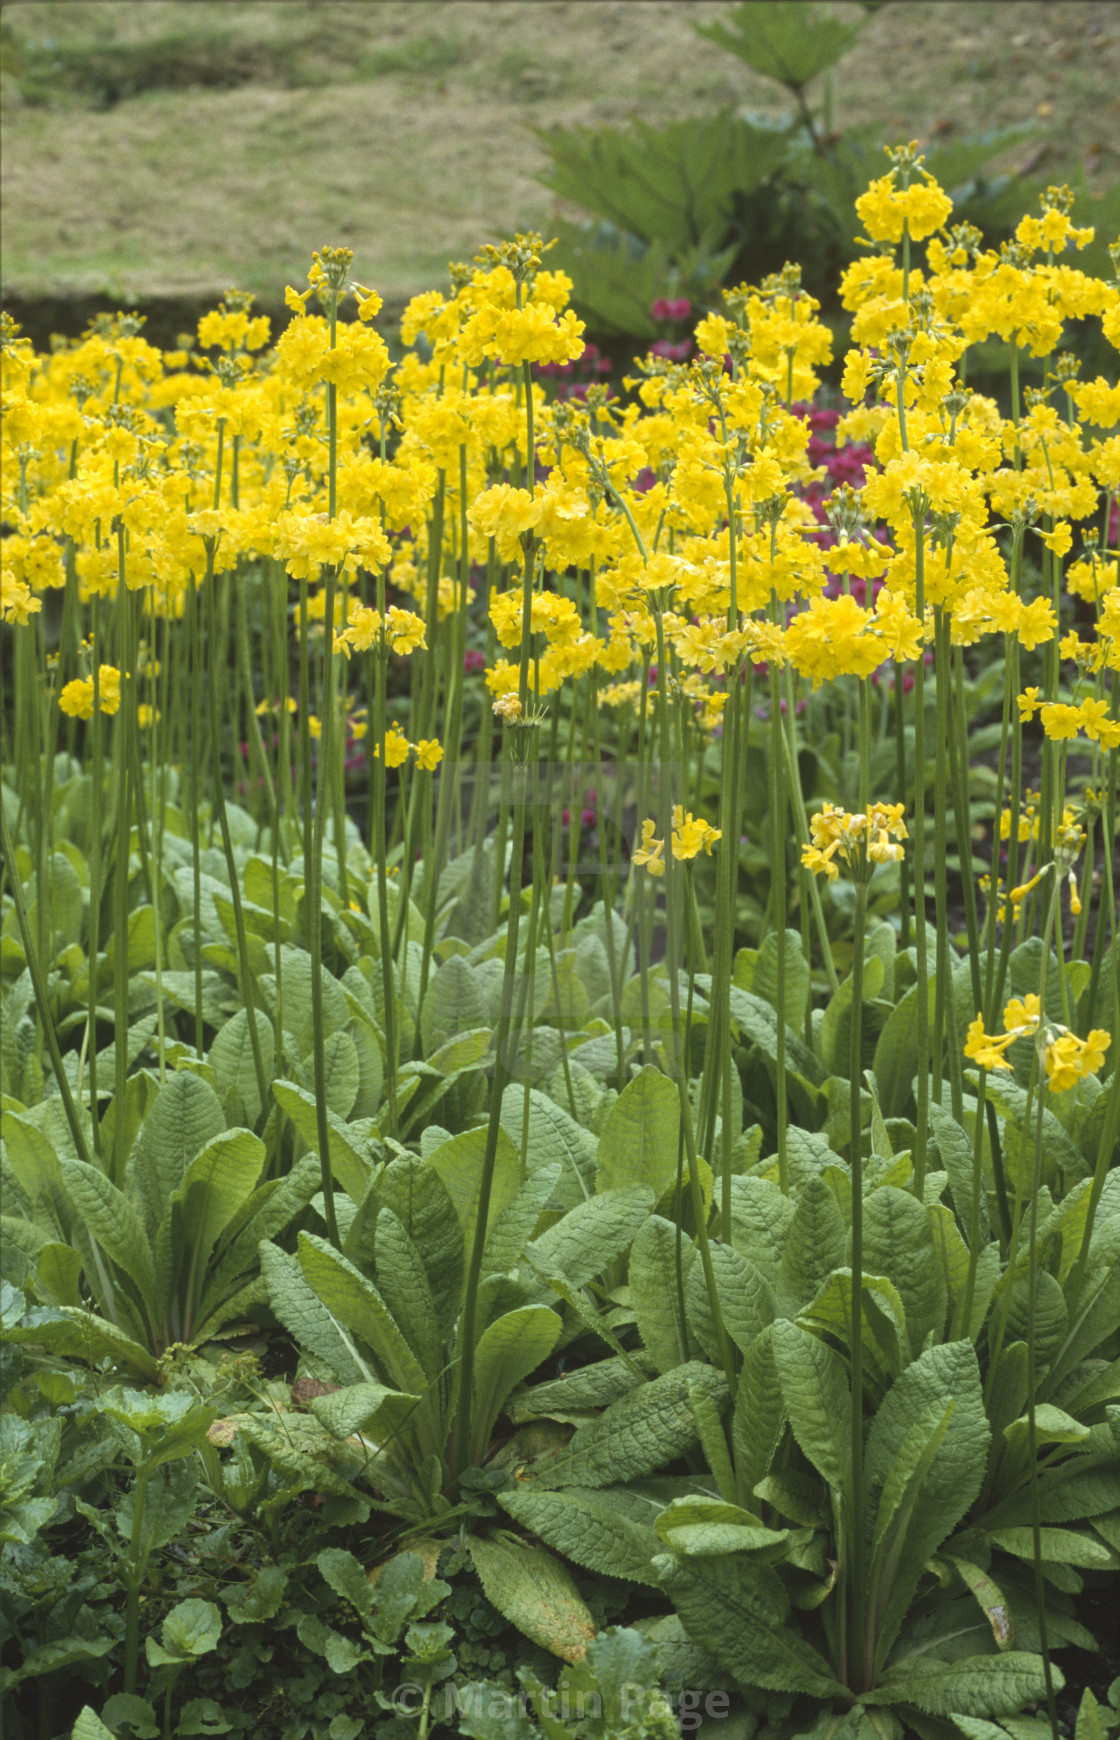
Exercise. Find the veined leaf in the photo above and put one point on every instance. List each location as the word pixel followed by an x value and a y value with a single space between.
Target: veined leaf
pixel 702 1527
pixel 898 1243
pixel 653 1289
pixel 349 1165
pixel 586 1526
pixel 403 1283
pixel 459 1164
pixel 453 1004
pixel 592 1234
pixel 760 1221
pixel 1059 1546
pixel 746 1301
pixel 419 1198
pixel 975 1685
pixel 739 1611
pixel 216 1184
pixel 304 1315
pixel 990 1598
pixel 512 1347
pixel 637 1435
pixel 82 1335
pixel 112 1221
pixel 815 1390
pixel 186 1115
pixel 759 1413
pixel 535 1593
pixel 815 1245
pixel 956 1150
pixel 577 1393
pixel 518 1221
pixel 231 1058
pixel 638 1143
pixel 358 1308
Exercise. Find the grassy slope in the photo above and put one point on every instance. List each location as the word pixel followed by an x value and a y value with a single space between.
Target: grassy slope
pixel 402 127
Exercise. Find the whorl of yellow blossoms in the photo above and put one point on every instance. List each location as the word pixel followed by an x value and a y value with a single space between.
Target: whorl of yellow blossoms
pixel 689 837
pixel 1068 1058
pixel 111 433
pixel 860 841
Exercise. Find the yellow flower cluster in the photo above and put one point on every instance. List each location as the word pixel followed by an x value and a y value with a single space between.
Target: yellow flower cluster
pixel 690 836
pixel 1068 1058
pixel 859 841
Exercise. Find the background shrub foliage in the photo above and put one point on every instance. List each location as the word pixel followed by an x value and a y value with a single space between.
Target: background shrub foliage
pixel 508 1198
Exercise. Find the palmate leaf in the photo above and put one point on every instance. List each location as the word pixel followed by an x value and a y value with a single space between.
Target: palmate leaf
pixel 739 1611
pixel 589 1527
pixel 789 42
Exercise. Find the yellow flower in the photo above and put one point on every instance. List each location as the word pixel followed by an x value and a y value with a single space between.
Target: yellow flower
pixel 429 754
pixel 690 835
pixel 984 1048
pixel 651 851
pixel 396 746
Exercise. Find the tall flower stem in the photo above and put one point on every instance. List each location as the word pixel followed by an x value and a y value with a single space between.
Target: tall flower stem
pixel 778 917
pixel 920 938
pixel 856 1548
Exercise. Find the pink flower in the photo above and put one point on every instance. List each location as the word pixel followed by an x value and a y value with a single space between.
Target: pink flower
pixel 671 308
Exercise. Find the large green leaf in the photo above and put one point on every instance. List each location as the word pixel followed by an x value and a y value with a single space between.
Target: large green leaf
pixel 403 1283
pixel 898 1242
pixel 535 1593
pixel 82 1335
pixel 555 1138
pixel 675 184
pixel 641 1432
pixel 746 1301
pixel 974 1685
pixel 759 1413
pixel 231 1058
pixel 758 1021
pixel 358 1308
pixel 509 1351
pixel 348 1164
pixel 589 1527
pixel 955 1150
pixel 453 1003
pixel 739 1611
pixel 419 1198
pixel 784 40
pixel 764 979
pixel 459 1164
pixel 295 988
pixel 186 1115
pixel 638 1142
pixel 953 1479
pixel 815 1245
pixel 760 1223
pixel 304 1315
pixel 114 1224
pixel 897 1055
pixel 836 1027
pixel 653 1289
pixel 216 1185
pixel 815 1391
pixel 592 1234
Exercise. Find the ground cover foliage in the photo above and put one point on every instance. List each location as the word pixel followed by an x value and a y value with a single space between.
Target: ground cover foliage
pixel 559 990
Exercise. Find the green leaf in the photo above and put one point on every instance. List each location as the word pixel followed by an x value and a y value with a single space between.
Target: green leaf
pixel 347 1578
pixel 419 1198
pixel 757 1020
pixel 535 1593
pixel 453 1003
pixel 815 1390
pixel 653 1289
pixel 990 1598
pixel 112 1221
pixel 760 1223
pixel 954 1477
pixel 304 1315
pixel 555 1139
pixel 815 1245
pixel 641 1432
pixel 701 1527
pixel 638 1142
pixel 739 1611
pixel 586 1526
pixel 975 1685
pixel 759 1413
pixel 783 40
pixel 348 1164
pixel 358 1308
pixel 1058 1546
pixel 295 980
pixel 836 1028
pixel 764 981
pixel 459 1164
pixel 578 1393
pixel 186 1115
pixel 216 1185
pixel 191 1629
pixel 258 1600
pixel 1089 1723
pixel 403 1283
pixel 897 1057
pixel 898 1242
pixel 231 1058
pixel 89 1726
pixel 746 1301
pixel 510 1349
pixel 955 1150
pixel 592 1234
pixel 82 1335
